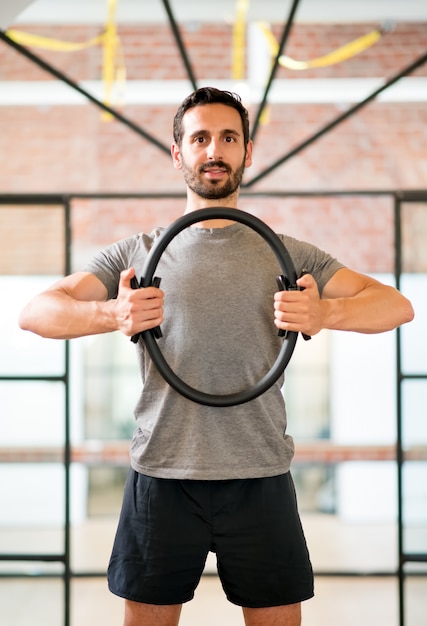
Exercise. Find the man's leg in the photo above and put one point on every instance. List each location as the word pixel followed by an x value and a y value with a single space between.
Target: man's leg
pixel 287 615
pixel 160 548
pixel 139 614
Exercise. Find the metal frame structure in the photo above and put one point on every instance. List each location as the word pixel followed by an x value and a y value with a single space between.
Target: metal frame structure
pixel 64 378
pixel 399 198
pixel 405 557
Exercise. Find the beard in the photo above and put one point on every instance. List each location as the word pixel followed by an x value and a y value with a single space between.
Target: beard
pixel 213 189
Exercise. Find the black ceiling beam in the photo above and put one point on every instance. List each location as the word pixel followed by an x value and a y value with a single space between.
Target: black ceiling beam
pixel 283 40
pixel 351 111
pixel 64 78
pixel 179 42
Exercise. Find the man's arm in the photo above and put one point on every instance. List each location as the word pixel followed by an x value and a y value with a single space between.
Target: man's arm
pixel 77 306
pixel 350 301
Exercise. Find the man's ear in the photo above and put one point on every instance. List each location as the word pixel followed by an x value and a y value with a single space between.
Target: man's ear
pixel 248 158
pixel 176 156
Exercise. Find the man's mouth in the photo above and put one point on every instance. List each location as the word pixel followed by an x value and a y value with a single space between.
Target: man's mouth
pixel 214 172
pixel 215 168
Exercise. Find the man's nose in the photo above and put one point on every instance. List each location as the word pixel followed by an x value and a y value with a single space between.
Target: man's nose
pixel 213 150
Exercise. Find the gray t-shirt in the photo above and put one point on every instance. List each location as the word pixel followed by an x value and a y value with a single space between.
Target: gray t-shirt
pixel 218 337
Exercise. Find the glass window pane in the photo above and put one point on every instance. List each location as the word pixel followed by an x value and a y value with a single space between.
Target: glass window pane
pixel 112 385
pixel 414 422
pixel 31 495
pixel 308 413
pixel 92 536
pixel 366 491
pixel 32 413
pixel 415 507
pixel 33 506
pixel 339 545
pixel 414 284
pixel 414 335
pixel 414 236
pixel 349 515
pixel 23 353
pixel 363 387
pixel 25 232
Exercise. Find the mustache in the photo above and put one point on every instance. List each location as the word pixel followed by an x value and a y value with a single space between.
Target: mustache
pixel 205 167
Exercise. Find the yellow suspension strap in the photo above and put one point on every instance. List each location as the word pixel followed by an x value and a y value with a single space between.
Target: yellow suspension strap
pixel 113 68
pixel 239 40
pixel 112 47
pixel 37 41
pixel 339 55
pixel 239 47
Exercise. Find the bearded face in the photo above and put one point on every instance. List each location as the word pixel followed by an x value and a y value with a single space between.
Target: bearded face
pixel 202 179
pixel 212 154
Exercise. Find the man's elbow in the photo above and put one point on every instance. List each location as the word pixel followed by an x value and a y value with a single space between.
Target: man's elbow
pixel 28 320
pixel 24 320
pixel 408 313
pixel 404 311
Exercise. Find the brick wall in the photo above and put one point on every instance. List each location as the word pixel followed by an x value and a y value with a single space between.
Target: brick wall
pixel 151 53
pixel 69 148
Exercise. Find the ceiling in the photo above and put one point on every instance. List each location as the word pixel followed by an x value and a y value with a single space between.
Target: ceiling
pixel 94 11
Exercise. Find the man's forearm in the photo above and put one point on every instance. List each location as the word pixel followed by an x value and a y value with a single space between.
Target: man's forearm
pixel 56 315
pixel 376 309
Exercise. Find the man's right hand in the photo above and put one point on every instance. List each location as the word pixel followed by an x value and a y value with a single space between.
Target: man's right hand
pixel 77 306
pixel 137 309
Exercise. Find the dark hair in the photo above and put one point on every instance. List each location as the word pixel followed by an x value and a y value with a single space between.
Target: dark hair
pixel 210 95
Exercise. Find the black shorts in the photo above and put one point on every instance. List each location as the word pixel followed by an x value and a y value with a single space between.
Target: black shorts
pixel 167 527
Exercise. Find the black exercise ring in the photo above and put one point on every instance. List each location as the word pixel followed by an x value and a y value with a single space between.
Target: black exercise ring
pixel 288 270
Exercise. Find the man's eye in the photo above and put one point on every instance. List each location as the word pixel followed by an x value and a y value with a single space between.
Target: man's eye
pixel 200 139
pixel 229 139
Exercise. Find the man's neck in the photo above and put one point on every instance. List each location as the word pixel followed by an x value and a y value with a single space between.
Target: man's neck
pixel 196 202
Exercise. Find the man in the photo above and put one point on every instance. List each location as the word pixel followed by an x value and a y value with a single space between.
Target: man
pixel 206 478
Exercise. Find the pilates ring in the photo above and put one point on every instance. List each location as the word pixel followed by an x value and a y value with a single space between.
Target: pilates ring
pixel 149 336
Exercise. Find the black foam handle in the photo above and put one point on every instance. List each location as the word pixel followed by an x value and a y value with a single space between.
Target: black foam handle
pixel 157 331
pixel 284 285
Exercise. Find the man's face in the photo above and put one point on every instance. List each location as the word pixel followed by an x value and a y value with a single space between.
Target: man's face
pixel 212 156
